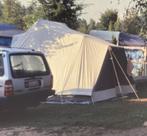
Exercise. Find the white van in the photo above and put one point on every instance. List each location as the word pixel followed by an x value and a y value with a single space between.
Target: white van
pixel 25 78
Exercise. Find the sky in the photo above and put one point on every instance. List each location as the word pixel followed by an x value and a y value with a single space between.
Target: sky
pixel 94 8
pixel 97 7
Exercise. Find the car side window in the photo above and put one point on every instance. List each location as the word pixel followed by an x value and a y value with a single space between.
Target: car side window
pixel 1 65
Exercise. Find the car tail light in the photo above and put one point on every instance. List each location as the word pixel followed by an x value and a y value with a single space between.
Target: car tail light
pixel 8 89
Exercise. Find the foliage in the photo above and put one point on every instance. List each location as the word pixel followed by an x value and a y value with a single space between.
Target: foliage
pixel 13 12
pixel 33 13
pixel 114 40
pixel 143 22
pixel 82 26
pixel 85 27
pixel 68 11
pixel 141 6
pixel 91 25
pixel 65 11
pixel 108 20
pixel 1 12
pixel 118 25
pixel 131 22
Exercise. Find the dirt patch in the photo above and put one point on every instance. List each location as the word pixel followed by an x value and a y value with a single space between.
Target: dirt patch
pixel 130 132
pixel 71 131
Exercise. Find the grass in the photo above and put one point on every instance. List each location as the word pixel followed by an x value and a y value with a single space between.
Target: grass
pixel 114 114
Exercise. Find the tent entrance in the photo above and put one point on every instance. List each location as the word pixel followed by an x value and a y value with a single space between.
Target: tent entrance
pixel 116 74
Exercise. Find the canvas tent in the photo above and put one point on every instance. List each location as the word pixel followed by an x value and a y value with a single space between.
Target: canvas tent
pixel 81 64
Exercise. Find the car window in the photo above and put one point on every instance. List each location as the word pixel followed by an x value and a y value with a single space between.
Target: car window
pixel 24 65
pixel 1 65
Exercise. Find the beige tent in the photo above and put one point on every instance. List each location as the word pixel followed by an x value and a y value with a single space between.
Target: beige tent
pixel 81 64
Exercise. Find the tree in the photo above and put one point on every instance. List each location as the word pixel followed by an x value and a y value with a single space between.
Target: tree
pixel 82 26
pixel 32 14
pixel 1 13
pixel 111 26
pixel 108 19
pixel 143 30
pixel 136 18
pixel 91 25
pixel 141 5
pixel 12 12
pixel 131 22
pixel 65 11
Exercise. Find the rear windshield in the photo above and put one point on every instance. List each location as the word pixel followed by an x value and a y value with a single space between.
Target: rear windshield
pixel 25 65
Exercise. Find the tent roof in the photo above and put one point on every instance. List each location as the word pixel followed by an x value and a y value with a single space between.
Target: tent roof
pixel 45 32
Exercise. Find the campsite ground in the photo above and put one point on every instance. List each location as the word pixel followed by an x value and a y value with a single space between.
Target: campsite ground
pixel 119 117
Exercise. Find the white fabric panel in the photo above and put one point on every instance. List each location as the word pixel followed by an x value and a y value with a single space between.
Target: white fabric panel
pixel 110 93
pixel 126 89
pixel 103 95
pixel 80 63
pixel 76 91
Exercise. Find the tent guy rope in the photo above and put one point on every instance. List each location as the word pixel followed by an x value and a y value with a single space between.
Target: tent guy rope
pixel 116 74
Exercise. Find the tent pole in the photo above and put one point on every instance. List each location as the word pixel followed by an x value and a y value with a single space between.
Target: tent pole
pixel 120 89
pixel 126 76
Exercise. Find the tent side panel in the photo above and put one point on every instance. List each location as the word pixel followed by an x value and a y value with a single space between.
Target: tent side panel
pixel 106 79
pixel 106 86
pixel 77 67
pixel 121 57
pixel 126 89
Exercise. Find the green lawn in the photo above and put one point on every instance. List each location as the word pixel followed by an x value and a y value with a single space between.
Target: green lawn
pixel 116 114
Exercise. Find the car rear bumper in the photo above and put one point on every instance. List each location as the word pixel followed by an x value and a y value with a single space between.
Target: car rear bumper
pixel 24 100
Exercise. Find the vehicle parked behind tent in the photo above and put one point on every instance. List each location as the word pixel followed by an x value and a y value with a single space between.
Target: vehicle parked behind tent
pixel 7 31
